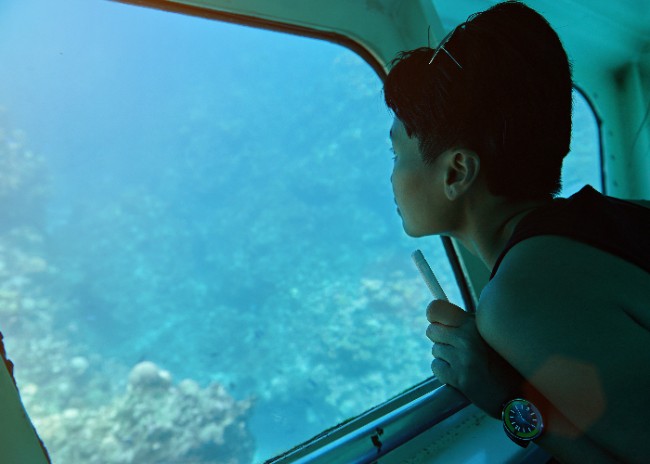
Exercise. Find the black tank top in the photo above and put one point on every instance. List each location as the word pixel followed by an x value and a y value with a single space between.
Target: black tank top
pixel 612 225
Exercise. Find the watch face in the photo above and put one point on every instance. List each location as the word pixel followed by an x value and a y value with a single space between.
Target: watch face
pixel 522 419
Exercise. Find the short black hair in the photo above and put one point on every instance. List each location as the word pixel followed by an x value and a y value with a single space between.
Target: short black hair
pixel 501 87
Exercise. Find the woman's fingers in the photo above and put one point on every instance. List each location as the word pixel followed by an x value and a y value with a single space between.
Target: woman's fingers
pixel 443 312
pixel 443 352
pixel 439 333
pixel 442 370
pixel 454 336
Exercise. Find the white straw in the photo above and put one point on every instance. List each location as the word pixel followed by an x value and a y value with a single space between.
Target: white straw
pixel 428 275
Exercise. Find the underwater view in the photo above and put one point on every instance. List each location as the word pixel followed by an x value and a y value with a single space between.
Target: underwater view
pixel 200 257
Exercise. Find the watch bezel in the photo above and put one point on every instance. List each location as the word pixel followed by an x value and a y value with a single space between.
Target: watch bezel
pixel 521 438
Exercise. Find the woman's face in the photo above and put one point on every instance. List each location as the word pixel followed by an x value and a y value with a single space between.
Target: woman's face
pixel 417 186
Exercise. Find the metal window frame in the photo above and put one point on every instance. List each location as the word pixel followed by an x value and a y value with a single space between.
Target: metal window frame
pixel 382 429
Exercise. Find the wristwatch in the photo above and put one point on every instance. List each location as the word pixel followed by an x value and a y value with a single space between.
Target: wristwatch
pixel 522 421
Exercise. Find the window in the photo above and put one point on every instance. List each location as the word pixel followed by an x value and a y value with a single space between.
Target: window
pixel 200 254
pixel 583 165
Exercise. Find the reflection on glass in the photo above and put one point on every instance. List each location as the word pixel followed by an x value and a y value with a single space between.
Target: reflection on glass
pixel 200 259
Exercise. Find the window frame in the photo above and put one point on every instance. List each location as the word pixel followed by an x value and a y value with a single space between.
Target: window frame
pixel 381 429
pixel 599 127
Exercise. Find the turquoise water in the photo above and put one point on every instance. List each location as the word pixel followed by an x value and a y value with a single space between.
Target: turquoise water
pixel 201 260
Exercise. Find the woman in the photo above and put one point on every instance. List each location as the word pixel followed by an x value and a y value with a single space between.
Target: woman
pixel 559 349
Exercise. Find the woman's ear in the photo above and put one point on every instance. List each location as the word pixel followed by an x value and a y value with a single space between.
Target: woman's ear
pixel 462 169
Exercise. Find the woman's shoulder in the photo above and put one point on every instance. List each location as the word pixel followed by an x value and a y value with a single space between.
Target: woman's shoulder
pixel 564 263
pixel 562 277
pixel 535 273
pixel 644 203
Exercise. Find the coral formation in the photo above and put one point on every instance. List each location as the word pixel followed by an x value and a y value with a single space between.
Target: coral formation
pixel 23 181
pixel 76 396
pixel 147 376
pixel 154 421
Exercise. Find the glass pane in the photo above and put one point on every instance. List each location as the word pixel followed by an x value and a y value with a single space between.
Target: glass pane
pixel 199 252
pixel 583 164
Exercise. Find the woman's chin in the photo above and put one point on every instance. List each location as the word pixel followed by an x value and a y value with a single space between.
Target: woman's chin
pixel 410 231
pixel 417 232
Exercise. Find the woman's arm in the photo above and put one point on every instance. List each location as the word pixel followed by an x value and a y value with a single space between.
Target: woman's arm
pixel 465 361
pixel 552 312
pixel 562 439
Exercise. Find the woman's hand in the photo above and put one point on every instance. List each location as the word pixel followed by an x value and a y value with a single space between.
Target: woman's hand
pixel 463 360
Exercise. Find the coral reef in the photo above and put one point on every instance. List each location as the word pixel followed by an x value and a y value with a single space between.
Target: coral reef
pixel 23 181
pixel 83 406
pixel 154 421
